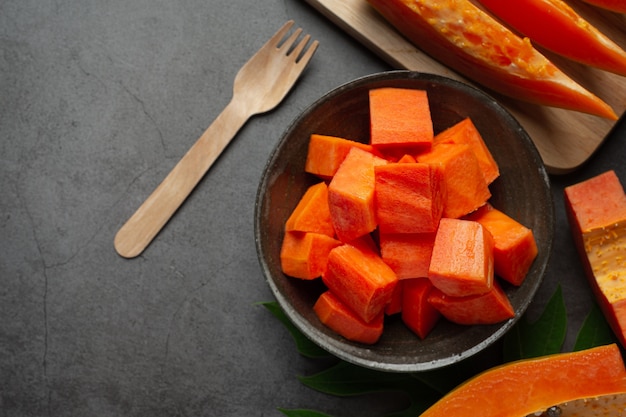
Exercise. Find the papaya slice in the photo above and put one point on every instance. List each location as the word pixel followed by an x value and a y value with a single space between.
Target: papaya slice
pixel 532 386
pixel 408 254
pixel 417 313
pixel 325 153
pixel 312 213
pixel 596 209
pixel 304 254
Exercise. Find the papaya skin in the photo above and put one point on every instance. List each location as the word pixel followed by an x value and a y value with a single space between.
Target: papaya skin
pixel 463 37
pixel 531 386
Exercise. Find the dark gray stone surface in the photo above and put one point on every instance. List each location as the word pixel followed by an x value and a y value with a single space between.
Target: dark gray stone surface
pixel 98 101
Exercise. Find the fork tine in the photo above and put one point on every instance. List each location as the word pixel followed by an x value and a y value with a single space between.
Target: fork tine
pixel 290 40
pixel 308 54
pixel 280 34
pixel 299 47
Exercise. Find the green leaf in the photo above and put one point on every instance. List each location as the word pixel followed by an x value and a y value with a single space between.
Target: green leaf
pixel 345 379
pixel 302 413
pixel 304 345
pixel 595 331
pixel 543 337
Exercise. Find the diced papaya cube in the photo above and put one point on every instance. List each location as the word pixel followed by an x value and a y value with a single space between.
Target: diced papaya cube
pixel 407 159
pixel 596 209
pixel 409 198
pixel 466 187
pixel 462 260
pixel 312 213
pixel 400 117
pixel 351 195
pixel 395 305
pixel 489 308
pixel 408 254
pixel 417 313
pixel 326 153
pixel 465 132
pixel 336 315
pixel 514 247
pixel 304 255
pixel 361 279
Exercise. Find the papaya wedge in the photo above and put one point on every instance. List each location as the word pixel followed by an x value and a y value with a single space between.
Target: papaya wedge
pixel 465 38
pixel 558 384
pixel 596 209
pixel 554 25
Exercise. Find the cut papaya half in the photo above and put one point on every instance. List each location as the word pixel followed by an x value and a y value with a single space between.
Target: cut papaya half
pixel 560 384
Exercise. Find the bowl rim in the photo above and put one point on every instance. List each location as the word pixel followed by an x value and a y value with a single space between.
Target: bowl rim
pixel 334 347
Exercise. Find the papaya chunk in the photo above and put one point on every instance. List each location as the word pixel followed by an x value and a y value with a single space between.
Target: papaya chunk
pixel 487 308
pixel 596 209
pixel 336 315
pixel 514 248
pixel 417 313
pixel 409 197
pixel 395 305
pixel 408 254
pixel 304 254
pixel 312 213
pixel 531 386
pixel 466 132
pixel 462 260
pixel 466 188
pixel 360 279
pixel 400 117
pixel 325 154
pixel 351 195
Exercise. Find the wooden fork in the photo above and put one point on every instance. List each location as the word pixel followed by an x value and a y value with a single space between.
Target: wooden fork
pixel 260 85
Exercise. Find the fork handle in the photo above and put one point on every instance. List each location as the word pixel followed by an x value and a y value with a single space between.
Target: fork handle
pixel 139 230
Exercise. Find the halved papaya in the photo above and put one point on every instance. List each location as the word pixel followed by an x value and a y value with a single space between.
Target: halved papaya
pixel 561 383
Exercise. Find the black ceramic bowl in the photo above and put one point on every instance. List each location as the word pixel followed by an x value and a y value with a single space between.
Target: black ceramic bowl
pixel 522 191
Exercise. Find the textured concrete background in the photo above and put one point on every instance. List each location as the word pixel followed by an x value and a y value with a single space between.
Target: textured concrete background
pixel 98 101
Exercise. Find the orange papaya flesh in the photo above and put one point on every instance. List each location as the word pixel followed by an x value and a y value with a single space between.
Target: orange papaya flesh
pixel 532 386
pixel 312 213
pixel 465 185
pixel 407 158
pixel 361 280
pixel 407 254
pixel 304 255
pixel 417 313
pixel 618 6
pixel 336 315
pixel 462 259
pixel 408 197
pixel 470 41
pixel 554 25
pixel 515 247
pixel 395 305
pixel 487 308
pixel 400 117
pixel 351 195
pixel 596 209
pixel 325 154
pixel 466 132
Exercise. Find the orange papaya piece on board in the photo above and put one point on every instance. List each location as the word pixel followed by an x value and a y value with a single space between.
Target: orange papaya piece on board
pixel 462 260
pixel 351 195
pixel 557 27
pixel 395 305
pixel 400 118
pixel 409 198
pixel 514 245
pixel 466 132
pixel 463 37
pixel 407 254
pixel 596 209
pixel 618 6
pixel 466 188
pixel 532 386
pixel 487 308
pixel 304 254
pixel 325 154
pixel 417 313
pixel 312 213
pixel 360 278
pixel 336 315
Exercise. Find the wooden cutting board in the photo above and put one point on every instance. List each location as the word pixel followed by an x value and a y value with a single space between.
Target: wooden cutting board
pixel 565 139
